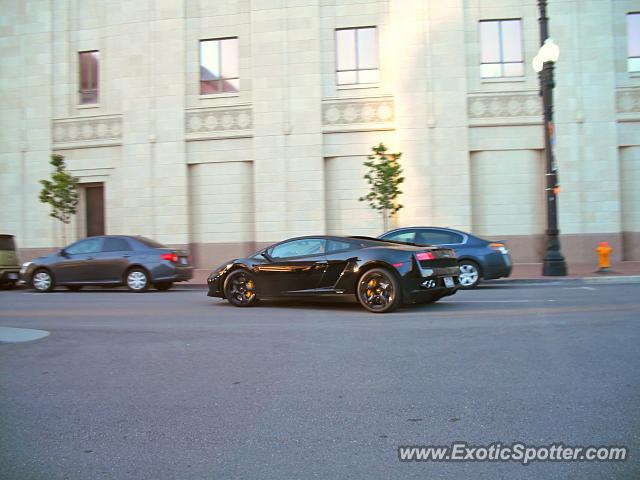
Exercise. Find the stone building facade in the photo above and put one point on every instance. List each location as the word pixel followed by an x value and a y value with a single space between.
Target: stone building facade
pixel 278 150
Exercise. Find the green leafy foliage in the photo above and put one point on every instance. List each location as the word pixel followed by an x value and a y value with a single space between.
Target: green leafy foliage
pixel 384 177
pixel 61 192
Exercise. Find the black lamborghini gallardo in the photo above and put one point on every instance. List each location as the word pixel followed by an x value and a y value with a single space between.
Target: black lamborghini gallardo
pixel 380 274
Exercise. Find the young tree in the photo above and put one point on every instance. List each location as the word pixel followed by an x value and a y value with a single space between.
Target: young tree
pixel 61 193
pixel 384 177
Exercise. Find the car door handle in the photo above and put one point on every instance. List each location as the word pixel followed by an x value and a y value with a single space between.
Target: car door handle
pixel 89 258
pixel 126 255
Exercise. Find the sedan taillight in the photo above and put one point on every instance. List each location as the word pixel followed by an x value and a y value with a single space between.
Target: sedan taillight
pixel 172 257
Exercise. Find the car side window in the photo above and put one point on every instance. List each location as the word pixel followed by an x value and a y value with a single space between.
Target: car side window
pixel 437 237
pixel 338 246
pixel 90 245
pixel 403 236
pixel 298 248
pixel 115 244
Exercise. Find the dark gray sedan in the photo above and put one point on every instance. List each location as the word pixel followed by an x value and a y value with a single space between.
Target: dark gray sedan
pixel 478 258
pixel 136 262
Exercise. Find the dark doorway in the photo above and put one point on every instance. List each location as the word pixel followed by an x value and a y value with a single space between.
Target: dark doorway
pixel 94 202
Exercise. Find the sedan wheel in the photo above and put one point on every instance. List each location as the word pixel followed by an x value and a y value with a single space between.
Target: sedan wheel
pixel 469 275
pixel 378 291
pixel 137 280
pixel 42 281
pixel 240 289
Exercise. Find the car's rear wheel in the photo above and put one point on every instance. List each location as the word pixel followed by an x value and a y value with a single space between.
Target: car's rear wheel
pixel 240 289
pixel 469 274
pixel 137 280
pixel 42 281
pixel 162 286
pixel 378 291
pixel 74 288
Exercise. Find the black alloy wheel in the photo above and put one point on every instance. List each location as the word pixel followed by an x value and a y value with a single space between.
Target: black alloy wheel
pixel 378 291
pixel 240 289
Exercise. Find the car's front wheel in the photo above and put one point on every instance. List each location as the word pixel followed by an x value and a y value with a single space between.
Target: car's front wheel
pixel 42 281
pixel 469 274
pixel 240 289
pixel 378 291
pixel 137 280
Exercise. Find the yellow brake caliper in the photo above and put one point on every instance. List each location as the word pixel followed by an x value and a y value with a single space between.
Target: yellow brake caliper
pixel 249 289
pixel 371 284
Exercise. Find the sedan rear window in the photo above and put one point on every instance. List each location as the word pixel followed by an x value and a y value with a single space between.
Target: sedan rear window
pixel 147 242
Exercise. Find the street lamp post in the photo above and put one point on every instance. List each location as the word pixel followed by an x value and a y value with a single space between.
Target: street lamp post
pixel 553 262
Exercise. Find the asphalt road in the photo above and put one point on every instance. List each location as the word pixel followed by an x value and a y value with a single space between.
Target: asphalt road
pixel 175 385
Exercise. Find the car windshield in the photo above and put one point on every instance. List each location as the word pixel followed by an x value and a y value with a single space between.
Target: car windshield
pixel 7 243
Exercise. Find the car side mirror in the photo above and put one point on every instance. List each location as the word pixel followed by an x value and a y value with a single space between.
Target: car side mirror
pixel 63 253
pixel 266 256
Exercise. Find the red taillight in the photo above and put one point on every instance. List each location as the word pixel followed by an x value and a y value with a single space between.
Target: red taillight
pixel 425 256
pixel 172 257
pixel 398 265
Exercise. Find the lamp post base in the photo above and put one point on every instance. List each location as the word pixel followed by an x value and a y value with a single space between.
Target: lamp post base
pixel 554 268
pixel 553 263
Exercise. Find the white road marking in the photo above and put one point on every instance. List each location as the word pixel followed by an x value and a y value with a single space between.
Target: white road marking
pixel 579 288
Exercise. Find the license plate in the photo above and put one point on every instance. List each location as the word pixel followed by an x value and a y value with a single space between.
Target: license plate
pixel 448 282
pixel 12 276
pixel 184 261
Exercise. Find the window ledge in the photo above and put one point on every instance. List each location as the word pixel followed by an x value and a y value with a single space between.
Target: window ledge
pixel 504 79
pixel 357 85
pixel 220 95
pixel 83 106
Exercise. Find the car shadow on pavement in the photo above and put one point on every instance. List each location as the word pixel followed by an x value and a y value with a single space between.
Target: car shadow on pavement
pixel 344 305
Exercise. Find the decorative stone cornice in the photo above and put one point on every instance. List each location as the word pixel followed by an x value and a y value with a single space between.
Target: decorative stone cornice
pixel 367 113
pixel 628 100
pixel 216 122
pixel 512 105
pixel 87 131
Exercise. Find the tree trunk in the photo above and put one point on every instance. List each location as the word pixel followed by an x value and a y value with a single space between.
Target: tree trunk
pixel 385 220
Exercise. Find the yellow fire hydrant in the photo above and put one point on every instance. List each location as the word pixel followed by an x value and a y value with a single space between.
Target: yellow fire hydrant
pixel 604 252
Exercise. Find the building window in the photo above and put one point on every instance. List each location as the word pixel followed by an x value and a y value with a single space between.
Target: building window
pixel 88 67
pixel 357 56
pixel 219 66
pixel 633 42
pixel 501 48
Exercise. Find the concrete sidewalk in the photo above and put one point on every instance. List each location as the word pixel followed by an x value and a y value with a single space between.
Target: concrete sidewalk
pixel 529 273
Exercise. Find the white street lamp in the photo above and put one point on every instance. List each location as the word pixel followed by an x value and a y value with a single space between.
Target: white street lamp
pixel 549 52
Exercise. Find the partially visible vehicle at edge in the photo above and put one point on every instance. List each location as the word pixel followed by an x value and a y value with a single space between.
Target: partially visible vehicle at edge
pixel 478 258
pixel 380 275
pixel 9 266
pixel 109 260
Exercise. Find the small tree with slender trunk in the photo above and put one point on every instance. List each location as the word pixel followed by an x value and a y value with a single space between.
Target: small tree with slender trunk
pixel 61 193
pixel 384 175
